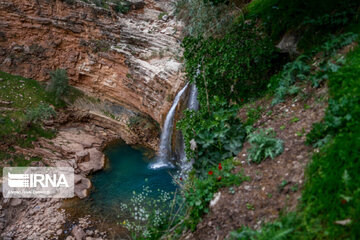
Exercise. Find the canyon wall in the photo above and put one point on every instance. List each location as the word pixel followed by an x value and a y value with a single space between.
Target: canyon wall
pixel 130 59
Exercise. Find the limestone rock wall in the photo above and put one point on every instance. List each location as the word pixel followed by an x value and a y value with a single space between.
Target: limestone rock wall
pixel 131 59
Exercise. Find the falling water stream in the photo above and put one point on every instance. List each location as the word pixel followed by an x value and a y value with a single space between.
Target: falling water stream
pixel 193 104
pixel 165 140
pixel 128 170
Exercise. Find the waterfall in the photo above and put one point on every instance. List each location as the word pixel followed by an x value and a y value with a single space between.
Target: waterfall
pixel 193 104
pixel 165 139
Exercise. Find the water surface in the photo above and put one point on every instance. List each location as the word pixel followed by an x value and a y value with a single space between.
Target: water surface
pixel 126 172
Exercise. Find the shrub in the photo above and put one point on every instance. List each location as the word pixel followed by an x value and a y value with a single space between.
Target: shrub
pixel 253 114
pixel 300 70
pixel 217 135
pixel 39 113
pixel 264 145
pixel 291 73
pixel 59 83
pixel 122 6
pixel 201 191
pixel 233 67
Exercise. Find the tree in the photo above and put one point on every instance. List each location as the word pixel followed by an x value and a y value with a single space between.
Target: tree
pixel 59 83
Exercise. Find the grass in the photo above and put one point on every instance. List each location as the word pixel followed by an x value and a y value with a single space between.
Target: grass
pixel 332 191
pixel 21 94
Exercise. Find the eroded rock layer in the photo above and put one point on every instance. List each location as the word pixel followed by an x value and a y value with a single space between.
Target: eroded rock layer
pixel 130 59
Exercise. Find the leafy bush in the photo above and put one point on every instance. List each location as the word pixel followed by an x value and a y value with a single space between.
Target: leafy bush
pixel 264 145
pixel 297 70
pixel 253 114
pixel 201 191
pixel 59 83
pixel 233 67
pixel 217 135
pixel 39 113
pixel 122 6
pixel 300 70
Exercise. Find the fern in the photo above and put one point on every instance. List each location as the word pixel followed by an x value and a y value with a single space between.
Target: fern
pixel 264 145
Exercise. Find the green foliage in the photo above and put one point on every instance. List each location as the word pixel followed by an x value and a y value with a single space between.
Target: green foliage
pixel 279 230
pixel 200 192
pixel 253 114
pixel 331 196
pixel 39 113
pixel 310 19
pixel 218 135
pixel 264 145
pixel 332 192
pixel 284 83
pixel 344 110
pixel 233 67
pixel 297 70
pixel 22 94
pixel 122 6
pixel 59 83
pixel 161 15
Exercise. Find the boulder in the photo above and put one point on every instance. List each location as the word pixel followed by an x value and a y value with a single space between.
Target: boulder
pixel 82 186
pixel 78 233
pixel 96 162
pixel 15 202
pixel 82 156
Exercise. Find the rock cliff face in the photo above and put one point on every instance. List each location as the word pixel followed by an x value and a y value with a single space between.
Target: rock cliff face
pixel 131 59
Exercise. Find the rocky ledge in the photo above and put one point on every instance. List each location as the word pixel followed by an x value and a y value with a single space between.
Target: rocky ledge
pixel 132 60
pixel 81 137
